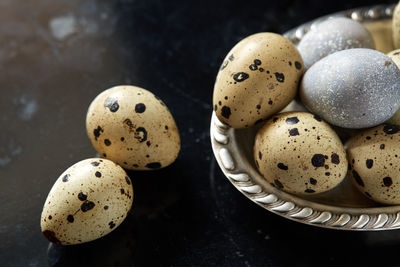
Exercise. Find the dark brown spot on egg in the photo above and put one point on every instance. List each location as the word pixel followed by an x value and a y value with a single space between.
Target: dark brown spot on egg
pixel 130 125
pixel 317 118
pixel 50 217
pixel 270 102
pixel 279 77
pixel 122 139
pixel 148 143
pixel 122 191
pixel 153 165
pixel 387 181
pixel 278 183
pixel 140 108
pixel 327 173
pixel 391 129
pixel 335 158
pixel 111 104
pixel 382 146
pixel 128 181
pixel 368 137
pixel 70 218
pixel 141 134
pixel 66 178
pixel 313 181
pixel 369 163
pixel 97 132
pixel 258 106
pixel 226 112
pixel 82 196
pixel 240 76
pixel 215 107
pixel 357 178
pixel 107 142
pixel 231 57
pixel 95 163
pixel 297 65
pixel 106 207
pixel 98 174
pixel 166 127
pixel 275 119
pixel 387 63
pixel 318 160
pixel 368 194
pixel 292 120
pixel 87 205
pixel 259 155
pixel 51 236
pixel 111 224
pixel 282 166
pixel 293 132
pixel 308 190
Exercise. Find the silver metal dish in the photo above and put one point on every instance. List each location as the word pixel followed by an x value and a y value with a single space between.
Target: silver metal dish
pixel 341 208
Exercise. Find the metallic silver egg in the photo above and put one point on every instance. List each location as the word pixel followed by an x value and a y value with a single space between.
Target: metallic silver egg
pixel 333 35
pixel 354 88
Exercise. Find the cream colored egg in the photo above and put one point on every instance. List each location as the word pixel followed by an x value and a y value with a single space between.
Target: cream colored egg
pixel 396 26
pixel 395 56
pixel 299 153
pixel 132 127
pixel 374 157
pixel 89 200
pixel 258 78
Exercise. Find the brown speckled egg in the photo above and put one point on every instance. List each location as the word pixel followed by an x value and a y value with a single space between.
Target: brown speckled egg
pixel 374 157
pixel 299 153
pixel 89 200
pixel 132 127
pixel 258 78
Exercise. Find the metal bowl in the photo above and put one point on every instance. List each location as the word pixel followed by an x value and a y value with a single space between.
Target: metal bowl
pixel 341 208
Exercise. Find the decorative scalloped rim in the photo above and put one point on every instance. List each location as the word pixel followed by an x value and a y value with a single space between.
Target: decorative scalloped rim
pixel 286 205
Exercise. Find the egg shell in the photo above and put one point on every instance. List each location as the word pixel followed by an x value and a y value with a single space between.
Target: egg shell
pixel 374 157
pixel 132 127
pixel 89 200
pixel 395 56
pixel 299 153
pixel 258 77
pixel 396 26
pixel 332 35
pixel 354 88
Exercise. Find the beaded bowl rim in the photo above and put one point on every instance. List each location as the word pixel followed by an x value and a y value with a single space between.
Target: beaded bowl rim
pixel 254 186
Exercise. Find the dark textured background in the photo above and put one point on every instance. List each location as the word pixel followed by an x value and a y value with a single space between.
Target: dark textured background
pixel 56 56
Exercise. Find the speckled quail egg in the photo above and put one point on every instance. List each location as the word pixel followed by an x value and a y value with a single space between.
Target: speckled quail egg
pixel 395 56
pixel 333 35
pixel 259 77
pixel 89 200
pixel 354 88
pixel 374 157
pixel 299 153
pixel 396 26
pixel 132 127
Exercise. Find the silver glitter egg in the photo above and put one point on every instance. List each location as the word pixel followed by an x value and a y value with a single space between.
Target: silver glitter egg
pixel 333 35
pixel 354 88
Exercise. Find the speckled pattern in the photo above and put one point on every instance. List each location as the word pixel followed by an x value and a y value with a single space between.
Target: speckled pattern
pixel 132 127
pixel 299 153
pixel 354 88
pixel 396 26
pixel 258 77
pixel 333 35
pixel 88 201
pixel 374 160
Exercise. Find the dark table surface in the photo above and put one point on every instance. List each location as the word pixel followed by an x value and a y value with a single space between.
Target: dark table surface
pixel 56 56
